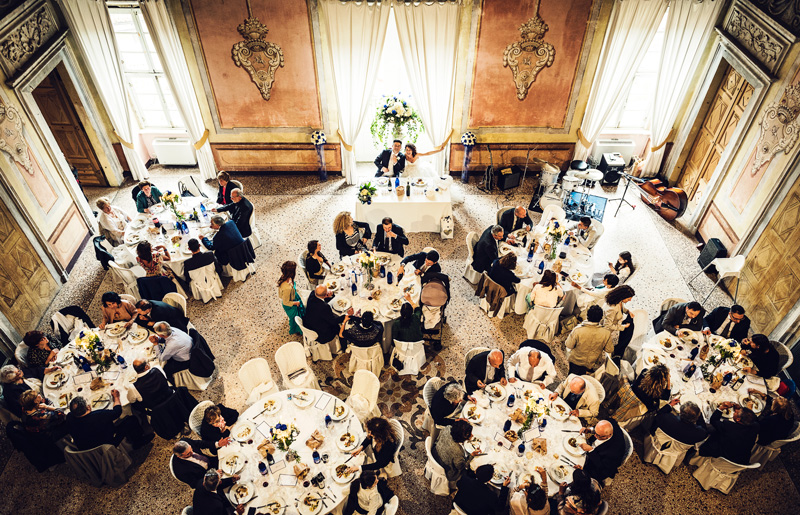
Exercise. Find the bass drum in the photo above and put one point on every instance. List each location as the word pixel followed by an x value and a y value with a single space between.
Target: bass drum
pixel 569 184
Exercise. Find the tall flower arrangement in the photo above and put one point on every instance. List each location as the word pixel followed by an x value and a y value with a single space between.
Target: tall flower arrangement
pixel 555 232
pixel 318 139
pixel 369 263
pixel 469 140
pixel 535 408
pixel 394 113
pixel 171 200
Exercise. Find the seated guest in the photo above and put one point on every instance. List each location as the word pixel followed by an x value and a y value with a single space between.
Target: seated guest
pixel 532 366
pixel 151 385
pixel 147 197
pixel 290 299
pixel 90 428
pixel 153 262
pixel 685 315
pixel 390 237
pixel 446 403
pixel 116 310
pixel 502 272
pixel 199 259
pixel 315 260
pixel 216 426
pixel 384 442
pixel 174 348
pixel 734 438
pixel 190 464
pixel 365 332
pixel 605 450
pixel 617 318
pixel 408 328
pixel 148 312
pixel 582 496
pixel 240 210
pixel 776 421
pixel 351 237
pixel 652 386
pixel 687 427
pixel 40 352
pixel 475 496
pixel 584 232
pixel 485 368
pixel 583 401
pixel 486 250
pixel 425 264
pixel 530 498
pixel 727 322
pixel 448 451
pixel 112 221
pixel 14 385
pixel 623 268
pixel 225 188
pixel 765 358
pixel 515 219
pixel 319 315
pixel 227 237
pixel 547 292
pixel 588 343
pixel 39 416
pixel 602 283
pixel 369 494
pixel 209 495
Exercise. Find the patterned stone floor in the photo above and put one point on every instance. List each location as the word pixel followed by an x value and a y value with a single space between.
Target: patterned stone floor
pixel 248 322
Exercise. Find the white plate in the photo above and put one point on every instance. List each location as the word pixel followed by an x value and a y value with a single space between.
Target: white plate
pixel 575 451
pixel 689 336
pixel 419 182
pixel 272 406
pixel 344 479
pixel 307 399
pixel 100 400
pixel 667 343
pixel 303 509
pixel 554 411
pixel 138 335
pixel 116 329
pixel 134 238
pixel 714 339
pixel 337 269
pixel 396 303
pixel 499 475
pixel 382 181
pixel 531 391
pixel 342 445
pixel 477 413
pixel 243 430
pixel 138 224
pixel 232 463
pixel 758 404
pixel 495 392
pixel 240 493
pixel 341 409
pixel 652 358
pixel 56 379
pixel 371 309
pixel 505 249
pixel 473 444
pixel 341 304
pixel 63 400
pixel 275 506
pixel 558 472
pixel 579 277
pixel 728 413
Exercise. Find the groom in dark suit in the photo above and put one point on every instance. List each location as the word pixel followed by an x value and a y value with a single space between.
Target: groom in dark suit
pixel 390 163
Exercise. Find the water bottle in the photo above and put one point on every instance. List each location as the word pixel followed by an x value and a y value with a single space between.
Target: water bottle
pixel 184 228
pixel 389 277
pixel 399 277
pixel 262 468
pixel 541 267
pixel 507 426
pixel 688 371
pixel 511 399
pixel 121 361
pixel 315 456
pixel 85 365
pixel 353 288
pixel 383 271
pixel 328 421
pixel 566 241
pixel 727 378
pixel 521 450
pixel 396 182
pixel 530 254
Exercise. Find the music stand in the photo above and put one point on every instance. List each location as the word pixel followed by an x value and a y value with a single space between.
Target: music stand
pixel 622 199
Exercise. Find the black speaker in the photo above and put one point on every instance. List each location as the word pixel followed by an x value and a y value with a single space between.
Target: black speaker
pixel 713 249
pixel 612 165
pixel 508 177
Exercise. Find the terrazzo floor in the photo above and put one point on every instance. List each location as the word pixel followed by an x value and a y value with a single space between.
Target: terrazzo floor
pixel 249 322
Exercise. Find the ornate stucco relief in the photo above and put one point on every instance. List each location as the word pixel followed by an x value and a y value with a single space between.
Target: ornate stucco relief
pixel 528 56
pixel 779 128
pixel 258 57
pixel 23 40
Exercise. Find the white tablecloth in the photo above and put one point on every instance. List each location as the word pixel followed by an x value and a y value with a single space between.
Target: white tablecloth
pixel 307 420
pixel 416 213
pixel 490 431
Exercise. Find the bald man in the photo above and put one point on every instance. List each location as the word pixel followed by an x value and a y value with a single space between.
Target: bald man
pixel 150 384
pixel 319 315
pixel 583 401
pixel 515 219
pixel 484 368
pixel 605 450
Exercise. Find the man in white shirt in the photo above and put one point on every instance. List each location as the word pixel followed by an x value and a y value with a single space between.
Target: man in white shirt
pixel 590 296
pixel 585 232
pixel 174 348
pixel 531 365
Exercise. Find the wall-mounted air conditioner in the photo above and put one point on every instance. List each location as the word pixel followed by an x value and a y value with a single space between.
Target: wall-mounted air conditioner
pixel 174 151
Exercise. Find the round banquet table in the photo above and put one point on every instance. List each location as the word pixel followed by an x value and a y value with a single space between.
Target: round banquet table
pixel 307 420
pixel 673 351
pixel 506 461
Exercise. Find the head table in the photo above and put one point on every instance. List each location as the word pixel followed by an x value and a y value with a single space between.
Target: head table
pixel 488 434
pixel 277 483
pixel 422 211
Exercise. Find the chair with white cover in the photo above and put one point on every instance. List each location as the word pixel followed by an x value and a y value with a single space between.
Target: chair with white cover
pixel 256 379
pixel 785 357
pixel 501 211
pixel 470 274
pixel 603 508
pixel 242 262
pixel 126 277
pixel 21 353
pixel 598 388
pixel 291 360
pixel 718 473
pixel 663 456
pixel 237 184
pixel 367 385
pixel 541 323
pixel 411 354
pixel 390 508
pixel 641 325
pixel 552 211
pixel 255 236
pixel 192 185
pixel 314 349
pixel 628 452
pixel 434 472
pixel 665 305
pixel 428 391
pixel 472 353
pixel 129 298
pixel 301 262
pixel 176 300
pixel 765 453
pixel 726 267
pixel 366 358
pixel 205 283
pixel 393 469
pixel 190 511
pixel 197 414
pixel 456 510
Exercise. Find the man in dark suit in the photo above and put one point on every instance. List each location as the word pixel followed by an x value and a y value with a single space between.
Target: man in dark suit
pixel 189 464
pixel 727 322
pixel 515 219
pixel 445 402
pixel 425 264
pixel 605 450
pixel 733 439
pixel 91 428
pixel 151 311
pixel 151 384
pixel 484 368
pixel 319 315
pixel 686 428
pixel 475 496
pixel 486 250
pixel 390 237
pixel 209 495
pixel 686 315
pixel 390 163
pixel 241 210
pixel 199 259
pixel 227 237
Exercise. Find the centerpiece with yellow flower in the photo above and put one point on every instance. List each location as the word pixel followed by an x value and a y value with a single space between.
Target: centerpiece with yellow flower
pixel 726 350
pixel 171 200
pixel 369 263
pixel 365 193
pixel 555 233
pixel 284 436
pixel 535 408
pixel 90 343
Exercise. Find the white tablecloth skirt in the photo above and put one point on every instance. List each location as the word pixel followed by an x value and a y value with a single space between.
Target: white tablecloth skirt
pixel 416 213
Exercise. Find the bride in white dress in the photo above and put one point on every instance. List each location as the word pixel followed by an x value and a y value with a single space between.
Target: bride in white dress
pixel 414 166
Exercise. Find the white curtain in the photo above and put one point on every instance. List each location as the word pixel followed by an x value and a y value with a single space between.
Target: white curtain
pixel 630 31
pixel 428 39
pixel 168 45
pixel 91 28
pixel 689 25
pixel 356 33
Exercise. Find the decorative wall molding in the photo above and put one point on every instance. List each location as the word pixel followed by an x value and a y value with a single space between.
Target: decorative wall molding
pixel 528 56
pixel 275 157
pixel 780 128
pixel 786 12
pixel 508 154
pixel 758 34
pixel 24 37
pixel 12 141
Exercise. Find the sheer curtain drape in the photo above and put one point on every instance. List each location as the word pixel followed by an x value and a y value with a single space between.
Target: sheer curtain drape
pixel 689 25
pixel 631 29
pixel 168 45
pixel 91 29
pixel 428 39
pixel 356 33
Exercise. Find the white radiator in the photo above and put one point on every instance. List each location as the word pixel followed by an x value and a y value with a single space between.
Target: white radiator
pixel 625 147
pixel 174 151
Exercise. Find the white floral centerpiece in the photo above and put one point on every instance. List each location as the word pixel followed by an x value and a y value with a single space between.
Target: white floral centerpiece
pixel 365 193
pixel 395 113
pixel 726 350
pixel 555 233
pixel 369 262
pixel 89 342
pixel 535 408
pixel 284 436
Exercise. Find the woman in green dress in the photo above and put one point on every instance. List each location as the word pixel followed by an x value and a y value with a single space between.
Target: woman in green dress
pixel 287 291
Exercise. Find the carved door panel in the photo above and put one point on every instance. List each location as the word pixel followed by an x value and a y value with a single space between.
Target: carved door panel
pixel 26 286
pixel 59 113
pixel 770 282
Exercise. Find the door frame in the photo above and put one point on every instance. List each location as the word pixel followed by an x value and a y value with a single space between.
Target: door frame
pixel 725 52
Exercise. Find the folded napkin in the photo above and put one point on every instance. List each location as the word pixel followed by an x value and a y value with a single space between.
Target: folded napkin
pixel 97 383
pixel 539 445
pixel 316 440
pixel 301 470
pixel 518 416
pixel 265 448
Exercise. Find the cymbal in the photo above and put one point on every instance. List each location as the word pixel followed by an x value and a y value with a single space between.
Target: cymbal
pixel 587 175
pixel 548 168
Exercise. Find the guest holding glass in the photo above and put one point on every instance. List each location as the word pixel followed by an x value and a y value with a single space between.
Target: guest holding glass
pixel 147 197
pixel 315 261
pixel 764 356
pixel 112 221
pixel 290 300
pixel 351 237
pixel 115 309
pixel 215 430
pixel 623 268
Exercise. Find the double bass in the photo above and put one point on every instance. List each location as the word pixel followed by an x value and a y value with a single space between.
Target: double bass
pixel 670 203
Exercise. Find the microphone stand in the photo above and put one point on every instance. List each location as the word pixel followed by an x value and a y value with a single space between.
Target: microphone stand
pixel 628 178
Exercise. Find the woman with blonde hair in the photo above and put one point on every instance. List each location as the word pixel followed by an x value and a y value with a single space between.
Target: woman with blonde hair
pixel 290 300
pixel 351 236
pixel 112 221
